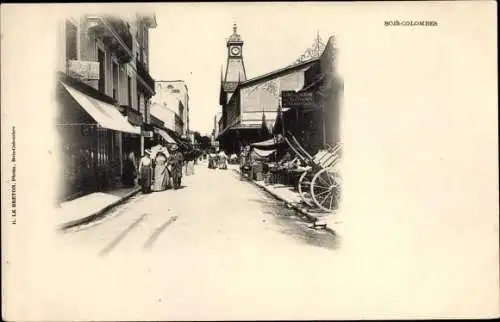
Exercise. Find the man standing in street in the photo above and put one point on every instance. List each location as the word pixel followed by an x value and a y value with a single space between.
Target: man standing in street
pixel 176 161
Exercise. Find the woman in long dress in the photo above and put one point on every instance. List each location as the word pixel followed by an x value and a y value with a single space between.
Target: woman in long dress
pixel 161 173
pixel 129 170
pixel 146 172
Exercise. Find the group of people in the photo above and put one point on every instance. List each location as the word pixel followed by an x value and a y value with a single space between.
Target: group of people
pixel 160 169
pixel 217 159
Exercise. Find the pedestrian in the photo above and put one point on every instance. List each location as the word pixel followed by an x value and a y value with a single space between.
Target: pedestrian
pixel 161 174
pixel 190 157
pixel 222 160
pixel 146 172
pixel 246 162
pixel 187 157
pixel 129 170
pixel 176 161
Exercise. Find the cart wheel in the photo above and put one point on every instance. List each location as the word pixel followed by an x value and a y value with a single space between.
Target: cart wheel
pixel 304 187
pixel 325 189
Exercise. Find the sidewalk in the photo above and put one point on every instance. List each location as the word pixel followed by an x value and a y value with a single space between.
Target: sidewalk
pixel 292 199
pixel 92 206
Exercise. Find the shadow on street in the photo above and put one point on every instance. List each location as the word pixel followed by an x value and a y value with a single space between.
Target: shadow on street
pixel 292 224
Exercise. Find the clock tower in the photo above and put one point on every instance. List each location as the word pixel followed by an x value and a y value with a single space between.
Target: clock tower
pixel 235 68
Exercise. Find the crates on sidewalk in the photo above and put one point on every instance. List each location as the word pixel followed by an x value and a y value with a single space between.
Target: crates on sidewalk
pixel 258 172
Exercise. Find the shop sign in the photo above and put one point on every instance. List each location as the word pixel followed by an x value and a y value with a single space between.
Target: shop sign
pixel 293 99
pixel 147 134
pixel 85 70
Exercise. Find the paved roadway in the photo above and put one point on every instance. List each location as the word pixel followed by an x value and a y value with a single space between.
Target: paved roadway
pixel 220 248
pixel 216 248
pixel 215 210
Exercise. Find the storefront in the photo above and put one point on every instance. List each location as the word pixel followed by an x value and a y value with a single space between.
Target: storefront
pixel 252 109
pixel 131 142
pixel 312 113
pixel 91 132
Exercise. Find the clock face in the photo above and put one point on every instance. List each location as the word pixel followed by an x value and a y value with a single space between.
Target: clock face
pixel 235 50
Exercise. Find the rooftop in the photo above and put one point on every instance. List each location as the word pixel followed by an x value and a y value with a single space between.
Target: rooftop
pixel 279 71
pixel 171 81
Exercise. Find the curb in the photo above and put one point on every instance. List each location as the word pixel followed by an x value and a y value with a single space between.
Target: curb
pixel 99 214
pixel 292 205
pixel 288 203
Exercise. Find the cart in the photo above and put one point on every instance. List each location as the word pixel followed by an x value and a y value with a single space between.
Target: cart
pixel 320 183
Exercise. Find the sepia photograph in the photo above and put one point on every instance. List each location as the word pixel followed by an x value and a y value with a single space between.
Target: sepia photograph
pixel 249 161
pixel 124 132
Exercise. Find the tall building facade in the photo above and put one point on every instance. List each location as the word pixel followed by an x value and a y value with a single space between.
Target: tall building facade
pixel 103 92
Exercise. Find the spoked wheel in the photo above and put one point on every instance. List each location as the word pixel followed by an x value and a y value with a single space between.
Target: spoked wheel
pixel 304 187
pixel 325 189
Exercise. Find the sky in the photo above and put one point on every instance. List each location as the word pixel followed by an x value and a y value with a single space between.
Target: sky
pixel 189 43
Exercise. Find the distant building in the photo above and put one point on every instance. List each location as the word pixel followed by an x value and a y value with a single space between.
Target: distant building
pixel 301 98
pixel 175 96
pixel 217 118
pixel 246 103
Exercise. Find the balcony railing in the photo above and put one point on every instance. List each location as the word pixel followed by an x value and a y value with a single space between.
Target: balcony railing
pixel 144 74
pixel 115 34
pixel 122 29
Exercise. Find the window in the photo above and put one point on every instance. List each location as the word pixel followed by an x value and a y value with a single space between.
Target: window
pixel 129 83
pixel 115 81
pixel 181 113
pixel 71 41
pixel 102 71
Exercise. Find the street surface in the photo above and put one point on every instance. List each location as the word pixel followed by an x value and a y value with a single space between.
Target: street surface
pixel 214 210
pixel 220 248
pixel 215 248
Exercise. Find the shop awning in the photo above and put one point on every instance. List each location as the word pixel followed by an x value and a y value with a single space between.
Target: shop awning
pixel 103 113
pixel 165 135
pixel 263 153
pixel 268 144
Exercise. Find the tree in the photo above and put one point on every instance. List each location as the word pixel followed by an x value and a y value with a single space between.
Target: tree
pixel 197 136
pixel 204 142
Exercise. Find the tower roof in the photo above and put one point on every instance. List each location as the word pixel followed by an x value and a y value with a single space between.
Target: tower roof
pixel 235 71
pixel 235 37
